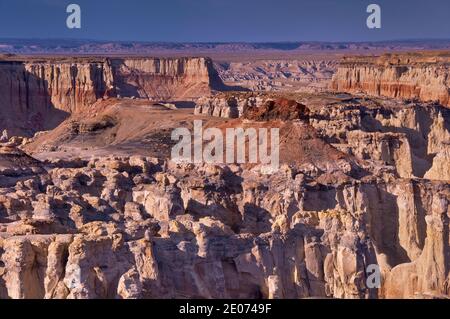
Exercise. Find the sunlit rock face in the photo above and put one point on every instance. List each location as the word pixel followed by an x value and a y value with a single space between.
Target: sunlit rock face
pixel 95 208
pixel 406 76
pixel 97 233
pixel 143 227
pixel 37 94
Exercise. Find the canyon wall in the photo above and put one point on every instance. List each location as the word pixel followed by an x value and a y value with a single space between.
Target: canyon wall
pixel 407 76
pixel 36 94
pixel 163 79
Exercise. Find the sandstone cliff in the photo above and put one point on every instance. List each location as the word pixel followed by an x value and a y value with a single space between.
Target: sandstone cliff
pixel 165 79
pixel 406 76
pixel 37 94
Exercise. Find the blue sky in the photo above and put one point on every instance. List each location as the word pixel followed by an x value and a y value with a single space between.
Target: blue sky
pixel 226 20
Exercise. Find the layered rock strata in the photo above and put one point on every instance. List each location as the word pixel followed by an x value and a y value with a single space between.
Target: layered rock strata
pixel 406 76
pixel 37 94
pixel 302 74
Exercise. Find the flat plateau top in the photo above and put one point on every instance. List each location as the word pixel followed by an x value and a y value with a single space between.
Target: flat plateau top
pixel 78 58
pixel 404 58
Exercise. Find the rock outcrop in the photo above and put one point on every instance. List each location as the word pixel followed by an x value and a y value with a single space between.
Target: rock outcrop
pixel 39 85
pixel 242 235
pixel 165 79
pixel 347 200
pixel 411 136
pixel 37 94
pixel 225 105
pixel 304 74
pixel 359 206
pixel 405 76
pixel 279 109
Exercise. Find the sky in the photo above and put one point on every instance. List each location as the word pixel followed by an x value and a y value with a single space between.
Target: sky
pixel 226 20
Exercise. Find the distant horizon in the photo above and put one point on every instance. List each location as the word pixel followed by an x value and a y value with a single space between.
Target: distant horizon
pixel 226 21
pixel 222 42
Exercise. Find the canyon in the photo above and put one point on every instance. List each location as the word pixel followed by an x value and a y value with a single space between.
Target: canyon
pixel 93 206
pixel 407 76
pixel 38 93
pixel 306 75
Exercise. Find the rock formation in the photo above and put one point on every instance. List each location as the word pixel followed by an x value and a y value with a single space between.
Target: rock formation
pixel 303 74
pixel 165 79
pixel 107 235
pixel 282 109
pixel 145 227
pixel 227 105
pixel 405 76
pixel 96 208
pixel 37 94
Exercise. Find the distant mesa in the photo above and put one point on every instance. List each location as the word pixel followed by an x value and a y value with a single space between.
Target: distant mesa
pixel 423 76
pixel 71 46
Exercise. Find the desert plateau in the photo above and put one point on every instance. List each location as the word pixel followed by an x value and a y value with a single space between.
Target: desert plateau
pixel 93 206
